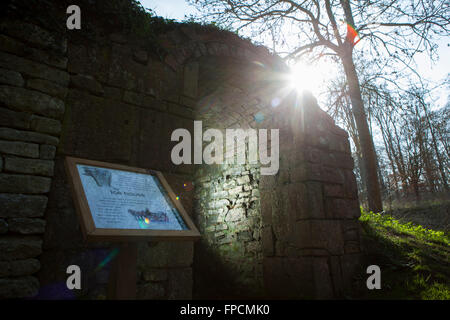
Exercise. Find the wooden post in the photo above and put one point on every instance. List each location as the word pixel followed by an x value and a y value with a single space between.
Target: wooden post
pixel 122 278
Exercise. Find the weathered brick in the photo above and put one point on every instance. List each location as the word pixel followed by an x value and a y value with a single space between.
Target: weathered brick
pixel 33 69
pixel 19 205
pixel 19 267
pixel 10 77
pixel 26 225
pixel 19 48
pixel 30 100
pixel 30 166
pixel 34 34
pixel 45 125
pixel 165 254
pixel 47 87
pixel 334 190
pixel 16 183
pixel 342 208
pixel 235 214
pixel 19 247
pixel 24 287
pixel 28 136
pixel 154 275
pixel 88 83
pixel 325 234
pixel 14 119
pixel 47 152
pixel 19 148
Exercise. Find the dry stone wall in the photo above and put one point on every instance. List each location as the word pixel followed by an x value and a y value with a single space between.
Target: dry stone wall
pixel 33 86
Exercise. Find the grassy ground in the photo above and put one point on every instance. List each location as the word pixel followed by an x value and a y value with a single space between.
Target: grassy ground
pixel 414 261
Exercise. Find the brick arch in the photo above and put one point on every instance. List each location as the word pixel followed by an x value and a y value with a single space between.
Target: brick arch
pixel 192 42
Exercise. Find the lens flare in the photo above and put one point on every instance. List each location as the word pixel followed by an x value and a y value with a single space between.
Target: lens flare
pixel 108 258
pixel 352 34
pixel 259 117
pixel 188 186
pixel 147 220
pixel 275 102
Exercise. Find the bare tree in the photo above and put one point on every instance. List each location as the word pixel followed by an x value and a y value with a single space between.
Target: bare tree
pixel 393 30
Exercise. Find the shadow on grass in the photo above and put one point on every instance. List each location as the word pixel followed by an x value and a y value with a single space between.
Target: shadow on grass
pixel 414 261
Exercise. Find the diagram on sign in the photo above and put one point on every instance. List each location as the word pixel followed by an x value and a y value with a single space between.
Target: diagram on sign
pixel 128 200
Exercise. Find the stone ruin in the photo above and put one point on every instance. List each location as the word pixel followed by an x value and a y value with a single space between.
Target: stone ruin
pixel 290 235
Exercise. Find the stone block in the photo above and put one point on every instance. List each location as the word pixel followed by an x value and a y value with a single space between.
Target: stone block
pixel 19 48
pixel 244 236
pixel 165 254
pixel 19 205
pixel 243 180
pixel 278 275
pixel 19 247
pixel 154 275
pixel 29 100
pixel 47 87
pixel 334 190
pixel 29 166
pixel 336 276
pixel 11 77
pixel 35 35
pixel 323 284
pixel 91 129
pixel 33 69
pixel 16 183
pixel 350 186
pixel 351 266
pixel 140 56
pixel 30 150
pixel 321 234
pixel 180 284
pixel 235 214
pixel 352 247
pixel 28 136
pixel 306 200
pixel 45 125
pixel 19 267
pixel 87 83
pixel 47 152
pixel 342 208
pixel 26 225
pixel 14 119
pixel 151 291
pixel 24 287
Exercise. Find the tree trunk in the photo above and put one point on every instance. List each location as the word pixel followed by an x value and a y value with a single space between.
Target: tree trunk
pixel 436 150
pixel 367 148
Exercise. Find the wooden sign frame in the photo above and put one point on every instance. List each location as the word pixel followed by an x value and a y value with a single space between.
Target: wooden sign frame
pixel 92 233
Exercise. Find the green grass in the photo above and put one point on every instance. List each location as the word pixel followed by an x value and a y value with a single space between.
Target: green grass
pixel 414 261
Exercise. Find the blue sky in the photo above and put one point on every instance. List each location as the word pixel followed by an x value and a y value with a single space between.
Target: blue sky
pixel 436 72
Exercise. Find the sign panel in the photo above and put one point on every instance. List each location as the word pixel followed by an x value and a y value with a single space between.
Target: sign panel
pixel 120 202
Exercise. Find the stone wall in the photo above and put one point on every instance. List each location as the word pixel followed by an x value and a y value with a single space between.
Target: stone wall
pixel 33 86
pixel 122 106
pixel 111 97
pixel 309 210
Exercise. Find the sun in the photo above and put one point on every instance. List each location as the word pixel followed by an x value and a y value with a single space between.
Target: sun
pixel 308 77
